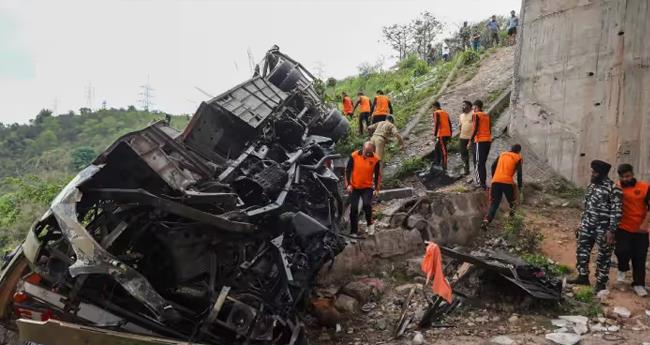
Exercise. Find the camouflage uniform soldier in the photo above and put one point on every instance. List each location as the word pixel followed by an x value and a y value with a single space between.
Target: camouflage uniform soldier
pixel 602 212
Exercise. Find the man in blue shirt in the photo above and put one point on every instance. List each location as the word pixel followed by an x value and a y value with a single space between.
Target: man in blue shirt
pixel 513 23
pixel 493 26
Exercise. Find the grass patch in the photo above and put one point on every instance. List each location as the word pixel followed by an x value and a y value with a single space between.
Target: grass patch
pixel 521 238
pixel 585 302
pixel 550 267
pixel 410 166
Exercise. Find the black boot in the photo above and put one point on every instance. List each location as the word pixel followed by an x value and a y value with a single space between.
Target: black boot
pixel 579 280
pixel 599 287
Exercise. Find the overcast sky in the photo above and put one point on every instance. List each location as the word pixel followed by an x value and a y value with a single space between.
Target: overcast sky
pixel 51 51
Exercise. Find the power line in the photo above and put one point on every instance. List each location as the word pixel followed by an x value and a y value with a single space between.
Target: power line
pixel 90 96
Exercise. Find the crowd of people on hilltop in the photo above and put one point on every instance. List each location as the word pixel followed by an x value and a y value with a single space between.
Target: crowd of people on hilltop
pixel 470 37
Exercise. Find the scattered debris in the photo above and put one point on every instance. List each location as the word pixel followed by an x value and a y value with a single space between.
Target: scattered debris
pixel 418 339
pixel 533 280
pixel 564 338
pixel 622 312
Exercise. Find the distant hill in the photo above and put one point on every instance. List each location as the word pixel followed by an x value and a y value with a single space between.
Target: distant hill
pixel 64 143
pixel 39 158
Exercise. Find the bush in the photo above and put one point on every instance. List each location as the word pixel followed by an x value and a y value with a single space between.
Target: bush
pixel 550 267
pixel 469 57
pixel 421 68
pixel 522 238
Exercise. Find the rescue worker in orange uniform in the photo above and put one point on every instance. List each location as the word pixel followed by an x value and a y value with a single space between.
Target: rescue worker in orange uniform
pixel 381 107
pixel 632 236
pixel 503 172
pixel 348 107
pixel 442 132
pixel 482 140
pixel 363 180
pixel 365 109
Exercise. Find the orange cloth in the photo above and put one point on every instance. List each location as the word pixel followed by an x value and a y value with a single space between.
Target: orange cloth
pixel 484 132
pixel 506 167
pixel 364 104
pixel 443 127
pixel 432 266
pixel 634 207
pixel 347 105
pixel 381 105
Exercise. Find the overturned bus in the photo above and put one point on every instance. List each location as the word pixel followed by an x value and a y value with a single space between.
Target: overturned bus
pixel 212 235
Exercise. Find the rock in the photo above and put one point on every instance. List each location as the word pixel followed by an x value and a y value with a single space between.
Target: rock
pixel 405 288
pixel 580 328
pixel 381 324
pixel 647 313
pixel 346 304
pixel 563 338
pixel 603 328
pixel 413 220
pixel 562 330
pixel 578 319
pixel 365 289
pixel 502 340
pixel 481 319
pixel 622 312
pixel 418 339
pixel 397 220
pixel 513 319
pixel 560 323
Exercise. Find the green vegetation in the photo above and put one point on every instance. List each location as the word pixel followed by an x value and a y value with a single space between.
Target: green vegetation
pixel 550 267
pixel 522 238
pixel 586 302
pixel 59 144
pixel 39 158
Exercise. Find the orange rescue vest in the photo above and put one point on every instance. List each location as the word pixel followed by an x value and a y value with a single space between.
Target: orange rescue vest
pixel 363 170
pixel 381 105
pixel 482 122
pixel 347 105
pixel 364 104
pixel 634 207
pixel 444 130
pixel 506 167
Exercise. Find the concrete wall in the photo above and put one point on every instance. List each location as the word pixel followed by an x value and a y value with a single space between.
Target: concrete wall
pixel 582 84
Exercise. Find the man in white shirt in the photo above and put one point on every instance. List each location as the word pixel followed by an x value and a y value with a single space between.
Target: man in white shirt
pixel 465 124
pixel 445 51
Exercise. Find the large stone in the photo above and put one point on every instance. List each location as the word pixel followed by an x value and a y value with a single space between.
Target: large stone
pixel 364 290
pixel 502 340
pixel 397 193
pixel 564 338
pixel 346 304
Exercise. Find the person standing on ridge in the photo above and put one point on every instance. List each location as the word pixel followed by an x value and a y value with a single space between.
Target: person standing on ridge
pixel 348 108
pixel 363 180
pixel 493 26
pixel 600 219
pixel 482 140
pixel 382 133
pixel 464 34
pixel 465 124
pixel 363 102
pixel 631 236
pixel 442 133
pixel 503 172
pixel 381 107
pixel 513 23
pixel 476 41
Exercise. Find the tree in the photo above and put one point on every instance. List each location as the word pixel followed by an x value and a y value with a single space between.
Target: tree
pixel 425 28
pixel 82 156
pixel 42 115
pixel 399 37
pixel 331 82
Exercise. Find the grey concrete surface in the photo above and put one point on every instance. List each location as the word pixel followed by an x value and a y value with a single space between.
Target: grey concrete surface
pixel 582 84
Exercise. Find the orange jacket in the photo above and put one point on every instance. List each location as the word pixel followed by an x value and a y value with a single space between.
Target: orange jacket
pixel 635 206
pixel 506 167
pixel 432 267
pixel 442 124
pixel 482 130
pixel 363 172
pixel 348 108
pixel 382 105
pixel 364 104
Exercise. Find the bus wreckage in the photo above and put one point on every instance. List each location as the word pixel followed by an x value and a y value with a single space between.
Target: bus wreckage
pixel 212 235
